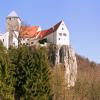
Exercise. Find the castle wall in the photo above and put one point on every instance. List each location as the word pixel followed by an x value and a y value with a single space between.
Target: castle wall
pixel 6 40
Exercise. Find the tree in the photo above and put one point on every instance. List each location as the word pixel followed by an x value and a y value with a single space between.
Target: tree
pixel 31 73
pixel 19 59
pixel 6 88
pixel 38 84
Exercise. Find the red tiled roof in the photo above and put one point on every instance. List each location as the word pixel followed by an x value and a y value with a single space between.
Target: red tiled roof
pixel 28 31
pixel 44 33
pixel 31 31
pixel 41 34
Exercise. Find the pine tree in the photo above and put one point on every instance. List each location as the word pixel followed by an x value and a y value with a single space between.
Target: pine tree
pixel 31 73
pixel 38 85
pixel 6 88
pixel 19 58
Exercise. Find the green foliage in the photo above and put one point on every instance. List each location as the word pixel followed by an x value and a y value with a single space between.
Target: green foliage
pixel 37 85
pixel 6 88
pixel 31 74
pixel 19 58
pixel 25 74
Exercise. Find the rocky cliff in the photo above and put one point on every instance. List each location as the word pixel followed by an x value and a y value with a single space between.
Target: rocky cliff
pixel 70 66
pixel 66 56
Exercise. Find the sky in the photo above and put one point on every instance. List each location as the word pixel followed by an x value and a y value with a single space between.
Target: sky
pixel 82 18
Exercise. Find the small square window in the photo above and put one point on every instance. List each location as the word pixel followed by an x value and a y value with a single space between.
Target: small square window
pixel 32 42
pixel 64 34
pixel 26 43
pixel 62 28
pixel 60 34
pixel 59 38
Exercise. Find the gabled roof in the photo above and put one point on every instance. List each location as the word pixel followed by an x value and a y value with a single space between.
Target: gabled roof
pixel 31 31
pixel 42 34
pixel 28 31
pixel 49 31
pixel 55 27
pixel 13 14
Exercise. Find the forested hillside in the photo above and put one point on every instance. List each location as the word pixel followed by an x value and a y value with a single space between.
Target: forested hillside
pixel 26 74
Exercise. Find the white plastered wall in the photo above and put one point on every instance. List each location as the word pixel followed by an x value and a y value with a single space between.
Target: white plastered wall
pixel 62 39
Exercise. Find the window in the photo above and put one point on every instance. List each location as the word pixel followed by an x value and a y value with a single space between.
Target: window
pixel 32 42
pixel 59 38
pixel 60 34
pixel 27 39
pixel 9 18
pixel 26 43
pixel 62 28
pixel 64 34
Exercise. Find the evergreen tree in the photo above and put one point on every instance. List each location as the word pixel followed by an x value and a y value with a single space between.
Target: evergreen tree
pixel 19 58
pixel 38 85
pixel 6 88
pixel 31 73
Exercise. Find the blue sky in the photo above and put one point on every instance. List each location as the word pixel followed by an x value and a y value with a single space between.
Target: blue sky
pixel 82 18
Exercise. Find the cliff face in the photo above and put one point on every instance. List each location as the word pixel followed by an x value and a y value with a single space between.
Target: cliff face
pixel 65 55
pixel 70 66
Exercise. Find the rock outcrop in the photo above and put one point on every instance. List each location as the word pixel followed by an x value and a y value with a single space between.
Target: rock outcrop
pixel 65 55
pixel 70 66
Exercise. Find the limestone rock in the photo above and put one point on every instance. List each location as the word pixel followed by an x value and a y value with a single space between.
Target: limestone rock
pixel 70 66
pixel 65 54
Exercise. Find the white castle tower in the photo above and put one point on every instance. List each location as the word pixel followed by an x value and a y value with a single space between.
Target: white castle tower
pixel 13 24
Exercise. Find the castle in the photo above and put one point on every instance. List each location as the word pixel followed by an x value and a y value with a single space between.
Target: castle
pixel 58 35
pixel 29 35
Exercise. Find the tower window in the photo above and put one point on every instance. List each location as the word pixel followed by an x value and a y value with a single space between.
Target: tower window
pixel 9 18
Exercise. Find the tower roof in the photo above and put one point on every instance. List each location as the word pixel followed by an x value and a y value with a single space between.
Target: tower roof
pixel 12 14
